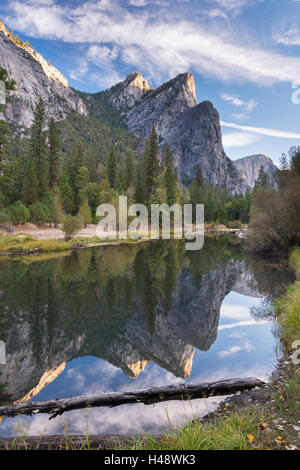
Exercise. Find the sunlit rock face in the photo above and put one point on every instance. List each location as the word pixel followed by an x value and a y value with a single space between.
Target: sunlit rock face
pixel 249 167
pixel 192 130
pixel 35 78
pixel 30 366
pixel 126 94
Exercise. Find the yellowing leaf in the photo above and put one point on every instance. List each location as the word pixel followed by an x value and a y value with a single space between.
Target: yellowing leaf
pixel 250 438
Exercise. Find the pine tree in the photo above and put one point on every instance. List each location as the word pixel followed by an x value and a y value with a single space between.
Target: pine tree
pixel 85 214
pixel 167 157
pixel 262 179
pixel 38 149
pixel 53 155
pixel 139 194
pixel 151 163
pixel 129 171
pixel 31 184
pixel 112 168
pixel 170 177
pixel 67 195
pixel 199 177
pixel 5 138
pixel 82 179
pixel 10 85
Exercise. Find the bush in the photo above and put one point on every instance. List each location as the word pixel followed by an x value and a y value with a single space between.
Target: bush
pixel 70 226
pixel 39 213
pixel 274 218
pixel 5 216
pixel 234 224
pixel 19 214
pixel 85 214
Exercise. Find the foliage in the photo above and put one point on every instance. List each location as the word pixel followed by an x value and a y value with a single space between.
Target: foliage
pixel 19 214
pixel 85 214
pixel 71 225
pixel 275 221
pixel 39 213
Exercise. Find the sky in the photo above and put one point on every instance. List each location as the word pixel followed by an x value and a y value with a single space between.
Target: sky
pixel 244 55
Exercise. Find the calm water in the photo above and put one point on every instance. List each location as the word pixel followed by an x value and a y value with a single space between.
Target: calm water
pixel 116 318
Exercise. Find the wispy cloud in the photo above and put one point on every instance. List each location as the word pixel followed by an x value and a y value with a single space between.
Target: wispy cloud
pixel 263 131
pixel 240 323
pixel 290 37
pixel 239 139
pixel 246 346
pixel 247 106
pixel 161 45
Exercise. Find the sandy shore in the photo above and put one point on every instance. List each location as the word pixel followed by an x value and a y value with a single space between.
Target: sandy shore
pixel 47 233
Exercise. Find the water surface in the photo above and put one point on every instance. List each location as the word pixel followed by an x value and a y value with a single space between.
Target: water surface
pixel 131 317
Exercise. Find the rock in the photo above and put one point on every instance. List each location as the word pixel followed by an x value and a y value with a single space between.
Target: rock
pixel 249 167
pixel 126 94
pixel 192 130
pixel 35 78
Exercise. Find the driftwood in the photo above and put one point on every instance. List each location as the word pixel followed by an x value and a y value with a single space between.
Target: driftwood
pixel 185 391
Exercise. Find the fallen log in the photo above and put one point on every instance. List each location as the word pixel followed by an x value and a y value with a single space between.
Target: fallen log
pixel 184 391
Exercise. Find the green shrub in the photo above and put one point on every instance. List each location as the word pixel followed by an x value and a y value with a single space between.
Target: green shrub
pixel 5 216
pixel 71 225
pixel 85 214
pixel 234 224
pixel 19 214
pixel 39 213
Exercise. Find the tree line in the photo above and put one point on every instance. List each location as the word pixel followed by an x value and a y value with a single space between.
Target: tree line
pixel 41 183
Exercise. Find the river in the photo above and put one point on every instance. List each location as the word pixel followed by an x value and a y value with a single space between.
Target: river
pixel 117 318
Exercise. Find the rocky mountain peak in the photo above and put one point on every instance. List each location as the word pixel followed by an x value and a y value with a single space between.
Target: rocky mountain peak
pixel 249 167
pixel 126 94
pixel 136 79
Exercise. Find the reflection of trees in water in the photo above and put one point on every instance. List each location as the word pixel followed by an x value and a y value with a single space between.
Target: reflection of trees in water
pixel 95 292
pixel 272 277
pixel 96 289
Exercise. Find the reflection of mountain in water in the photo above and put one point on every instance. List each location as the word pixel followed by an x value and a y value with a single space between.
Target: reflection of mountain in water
pixel 127 305
pixel 191 322
pixel 247 285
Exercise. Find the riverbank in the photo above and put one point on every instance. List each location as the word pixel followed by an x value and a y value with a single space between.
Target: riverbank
pixel 30 239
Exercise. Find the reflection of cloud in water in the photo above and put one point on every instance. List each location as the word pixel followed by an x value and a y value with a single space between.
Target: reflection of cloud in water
pixel 240 323
pixel 137 418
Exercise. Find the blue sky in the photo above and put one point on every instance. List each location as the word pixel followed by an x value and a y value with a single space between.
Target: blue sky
pixel 244 55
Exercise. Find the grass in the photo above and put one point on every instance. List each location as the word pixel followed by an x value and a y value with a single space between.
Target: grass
pixel 224 433
pixel 28 245
pixel 288 307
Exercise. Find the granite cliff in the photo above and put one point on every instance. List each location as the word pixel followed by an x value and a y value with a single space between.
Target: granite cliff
pixel 249 167
pixel 192 130
pixel 35 78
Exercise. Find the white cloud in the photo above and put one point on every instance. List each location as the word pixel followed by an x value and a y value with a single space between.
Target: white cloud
pixel 138 3
pixel 235 312
pixel 100 54
pixel 248 106
pixel 289 38
pixel 239 139
pixel 247 346
pixel 159 45
pixel 240 323
pixel 263 131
